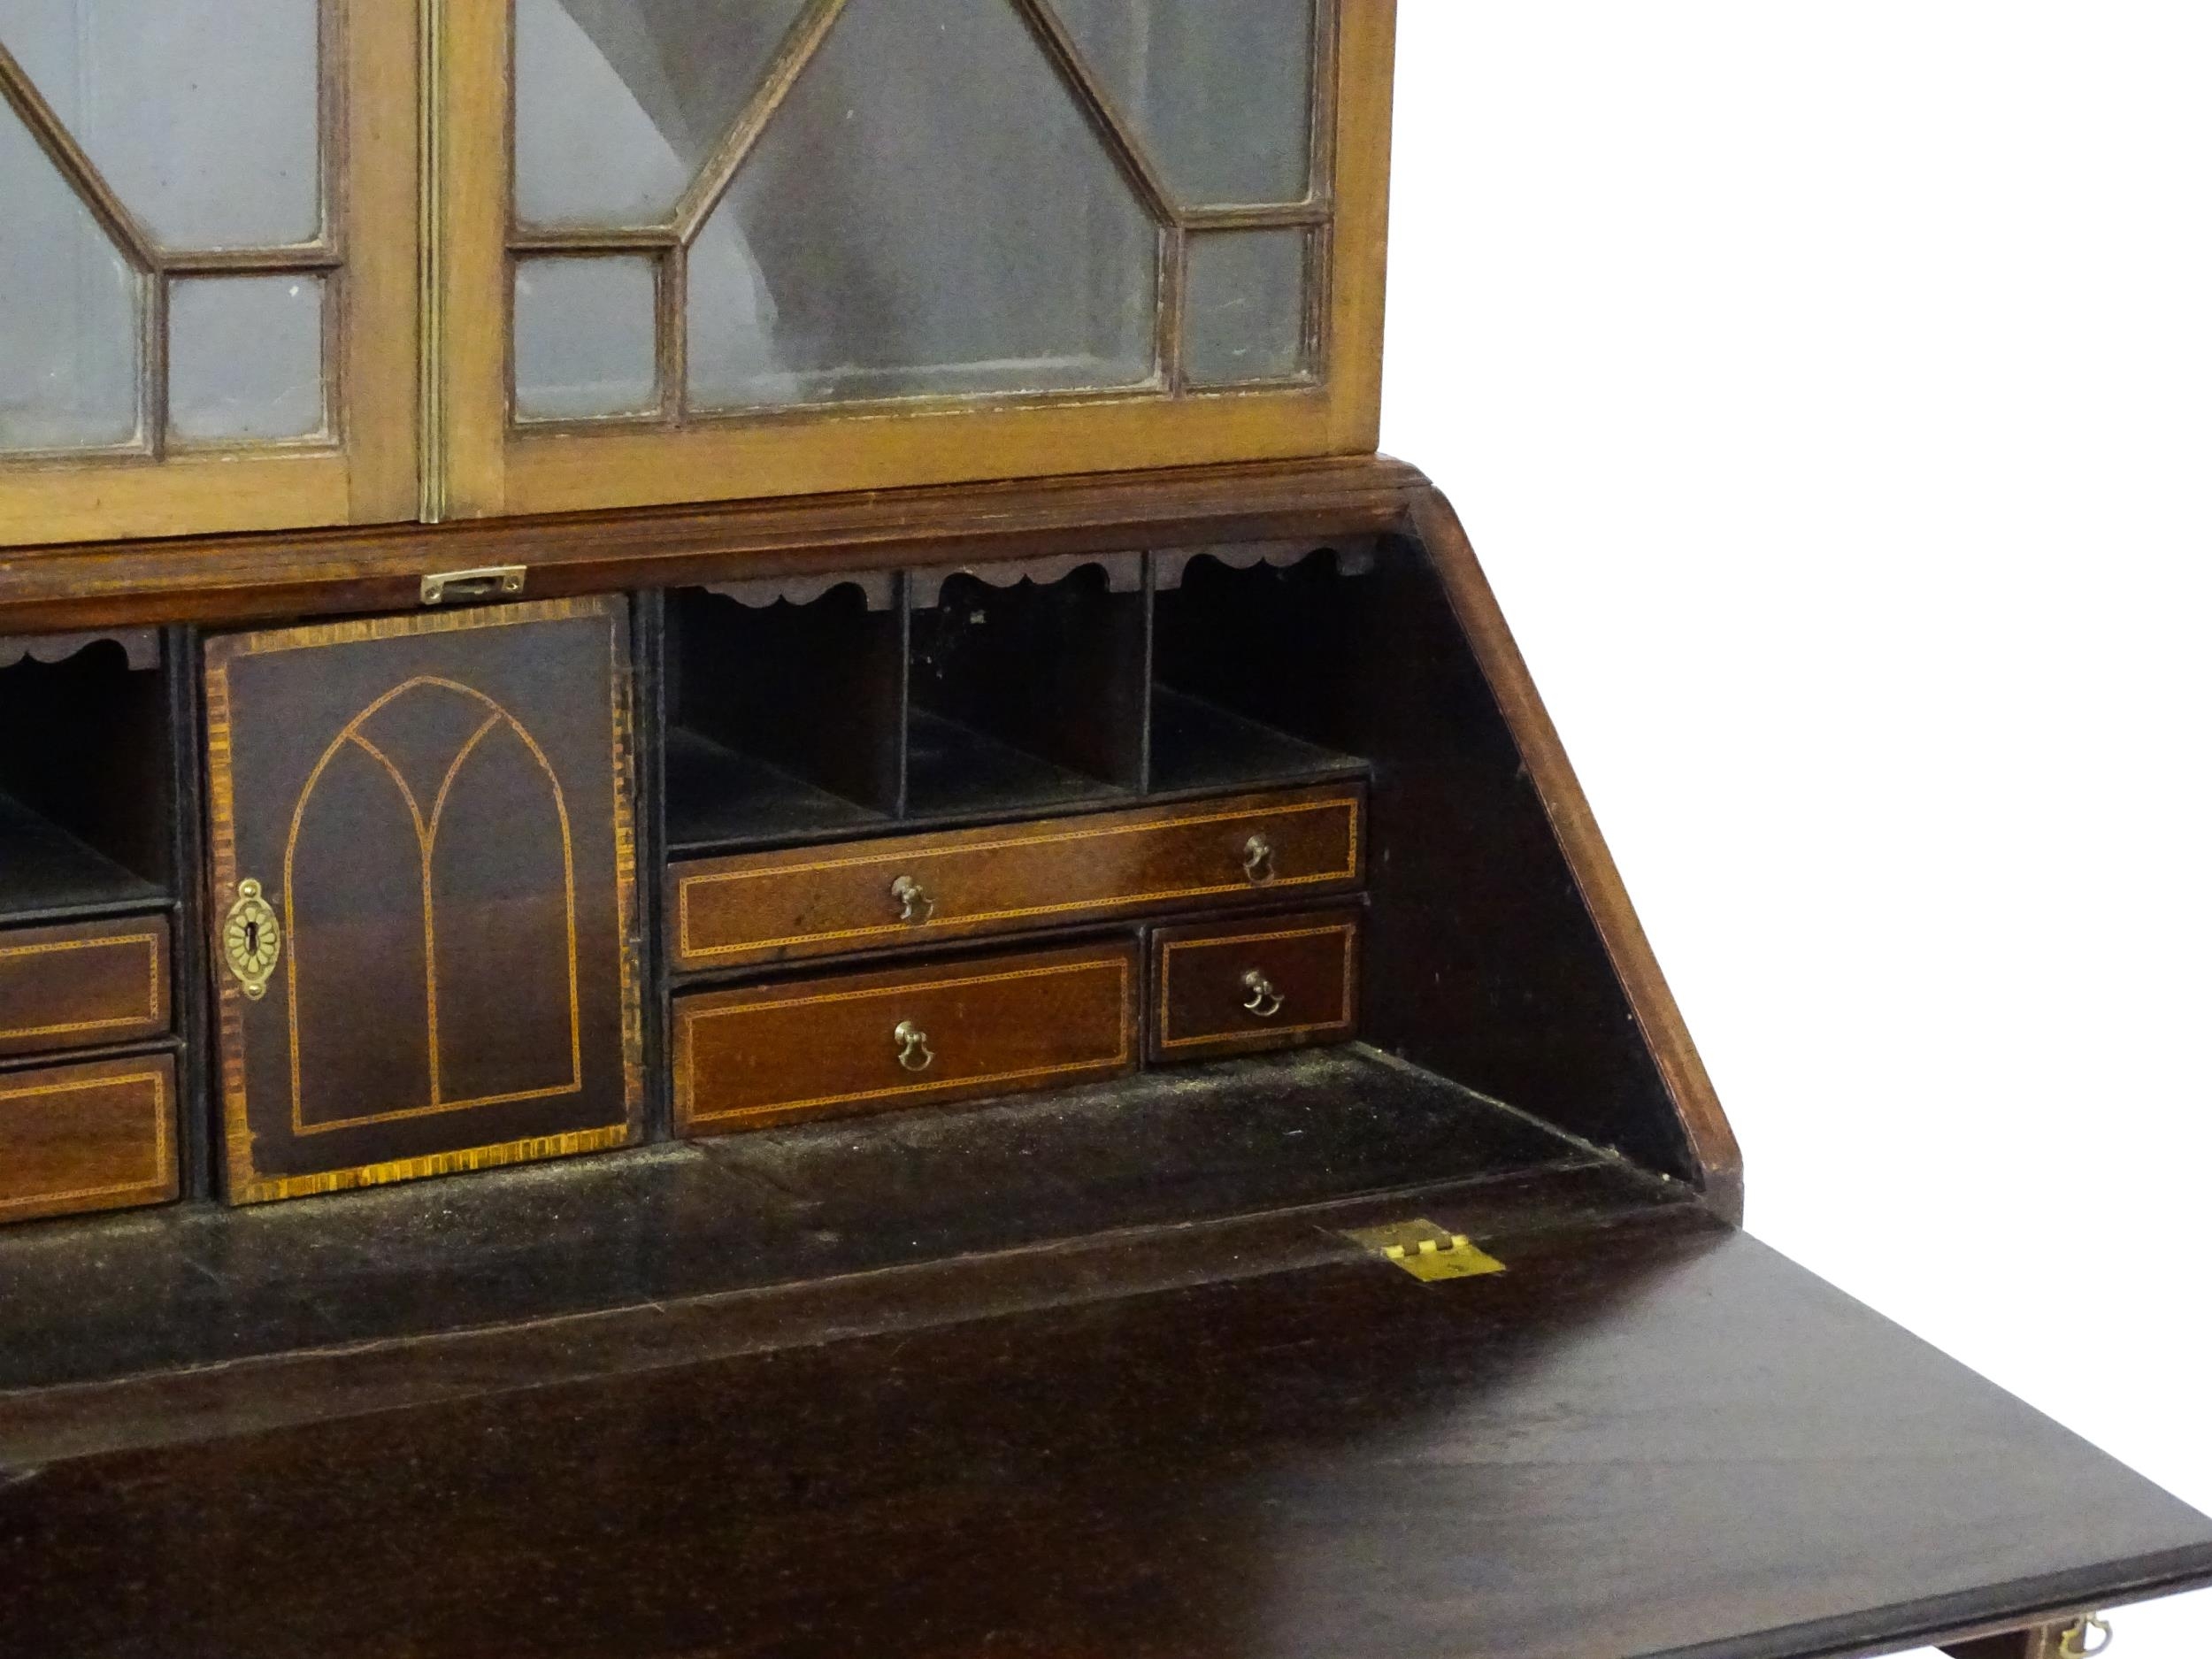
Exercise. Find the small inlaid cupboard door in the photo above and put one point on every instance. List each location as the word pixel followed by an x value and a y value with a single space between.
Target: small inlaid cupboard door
pixel 772 246
pixel 423 895
pixel 208 272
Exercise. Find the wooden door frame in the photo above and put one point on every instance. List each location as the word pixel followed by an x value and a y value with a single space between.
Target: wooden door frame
pixel 371 134
pixel 478 466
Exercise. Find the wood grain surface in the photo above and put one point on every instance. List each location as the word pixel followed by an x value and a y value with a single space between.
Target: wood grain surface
pixel 97 1135
pixel 1654 1438
pixel 84 986
pixel 909 1036
pixel 1205 1002
pixel 821 900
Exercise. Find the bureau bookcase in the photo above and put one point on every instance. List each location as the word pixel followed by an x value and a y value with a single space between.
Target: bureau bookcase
pixel 755 654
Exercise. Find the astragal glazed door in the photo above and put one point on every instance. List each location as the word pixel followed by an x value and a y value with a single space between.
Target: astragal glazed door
pixel 209 217
pixel 788 246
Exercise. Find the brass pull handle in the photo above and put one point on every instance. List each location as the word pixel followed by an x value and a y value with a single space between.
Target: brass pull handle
pixel 252 941
pixel 1265 1002
pixel 1259 860
pixel 913 900
pixel 2084 1638
pixel 913 1042
pixel 497 581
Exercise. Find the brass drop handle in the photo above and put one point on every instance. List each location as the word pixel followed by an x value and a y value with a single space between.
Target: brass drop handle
pixel 1265 1002
pixel 913 1042
pixel 2084 1638
pixel 1259 860
pixel 252 941
pixel 913 900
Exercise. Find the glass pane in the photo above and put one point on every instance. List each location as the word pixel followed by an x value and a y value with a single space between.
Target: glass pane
pixel 618 102
pixel 69 317
pixel 930 212
pixel 1245 307
pixel 200 114
pixel 1221 91
pixel 245 359
pixel 584 338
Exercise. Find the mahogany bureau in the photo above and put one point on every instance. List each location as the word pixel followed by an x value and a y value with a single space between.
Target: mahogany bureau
pixel 759 895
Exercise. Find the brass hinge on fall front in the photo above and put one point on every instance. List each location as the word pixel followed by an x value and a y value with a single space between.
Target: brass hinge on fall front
pixel 1426 1250
pixel 2082 1639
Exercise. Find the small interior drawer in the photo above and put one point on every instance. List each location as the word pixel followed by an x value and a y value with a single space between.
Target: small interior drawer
pixel 83 986
pixel 1239 987
pixel 931 1032
pixel 99 1135
pixel 820 901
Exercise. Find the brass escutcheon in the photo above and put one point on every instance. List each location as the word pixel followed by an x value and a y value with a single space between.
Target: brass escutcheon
pixel 251 940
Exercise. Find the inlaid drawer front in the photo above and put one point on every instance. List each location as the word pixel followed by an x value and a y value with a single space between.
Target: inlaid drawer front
pixel 909 1036
pixel 818 901
pixel 1242 986
pixel 83 986
pixel 100 1135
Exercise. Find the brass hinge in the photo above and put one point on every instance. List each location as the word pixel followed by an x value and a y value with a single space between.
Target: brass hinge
pixel 1426 1250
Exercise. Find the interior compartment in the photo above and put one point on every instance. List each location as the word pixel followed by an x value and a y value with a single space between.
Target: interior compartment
pixel 1249 641
pixel 86 796
pixel 1028 685
pixel 794 1203
pixel 784 709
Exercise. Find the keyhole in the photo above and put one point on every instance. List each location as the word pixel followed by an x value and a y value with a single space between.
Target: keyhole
pixel 253 939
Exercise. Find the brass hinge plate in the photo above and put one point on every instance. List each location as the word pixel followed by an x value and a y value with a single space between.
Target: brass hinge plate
pixel 497 581
pixel 1426 1251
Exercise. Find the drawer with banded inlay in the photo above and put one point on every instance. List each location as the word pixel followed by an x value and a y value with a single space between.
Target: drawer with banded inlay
pixel 1242 986
pixel 83 986
pixel 918 890
pixel 908 1036
pixel 97 1135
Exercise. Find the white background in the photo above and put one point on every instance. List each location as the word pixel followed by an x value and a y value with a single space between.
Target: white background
pixel 1827 390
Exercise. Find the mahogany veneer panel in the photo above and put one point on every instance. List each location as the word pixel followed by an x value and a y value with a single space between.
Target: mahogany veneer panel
pixel 1204 1005
pixel 770 907
pixel 83 987
pixel 437 807
pixel 980 1026
pixel 1648 1438
pixel 100 1135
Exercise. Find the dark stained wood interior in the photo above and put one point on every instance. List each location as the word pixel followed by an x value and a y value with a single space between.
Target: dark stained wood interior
pixel 87 799
pixel 1041 1069
pixel 1090 1369
pixel 1317 1457
pixel 624 1236
pixel 785 715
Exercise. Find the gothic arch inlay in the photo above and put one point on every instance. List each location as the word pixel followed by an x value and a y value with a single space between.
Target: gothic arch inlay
pixel 420 767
